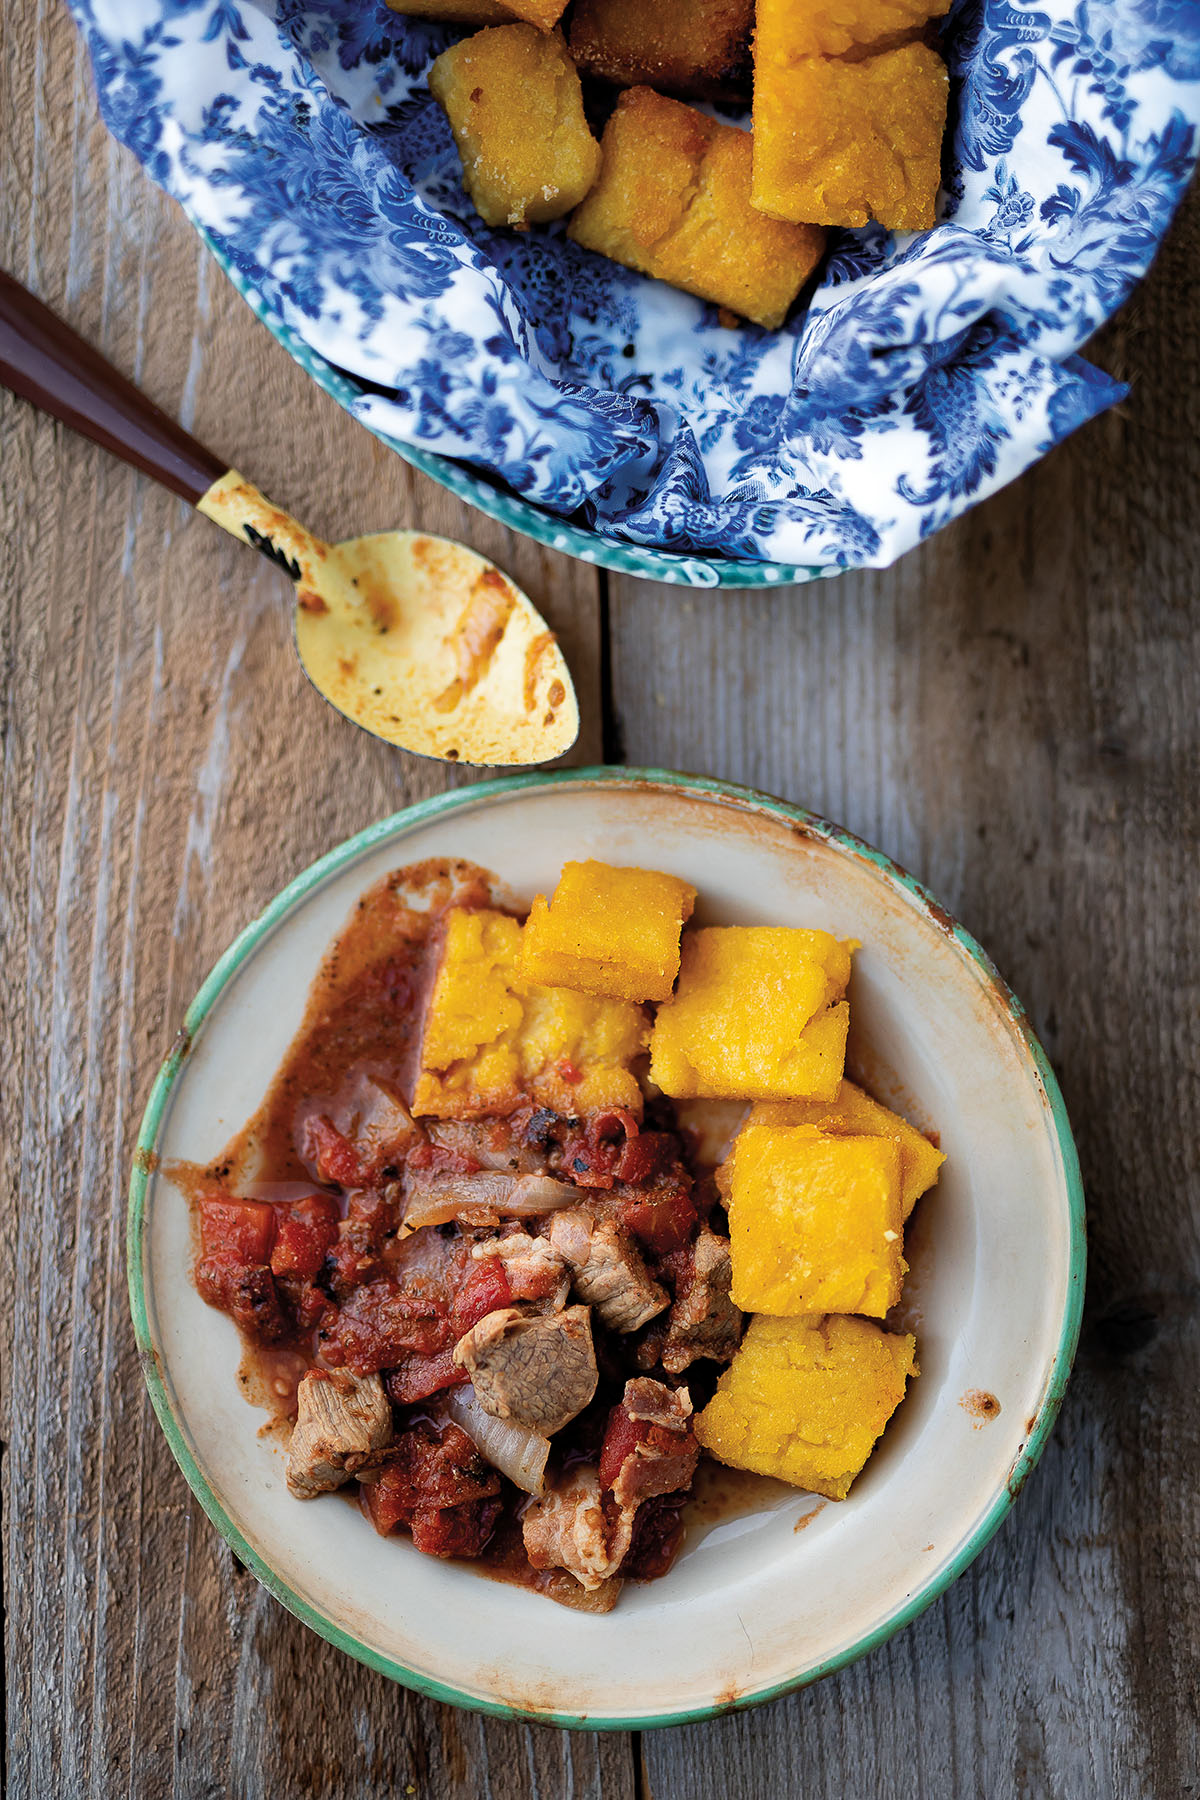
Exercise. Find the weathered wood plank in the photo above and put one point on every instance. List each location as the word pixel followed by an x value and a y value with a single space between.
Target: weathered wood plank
pixel 1012 712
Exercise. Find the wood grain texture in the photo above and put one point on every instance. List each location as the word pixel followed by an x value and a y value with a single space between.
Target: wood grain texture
pixel 1012 712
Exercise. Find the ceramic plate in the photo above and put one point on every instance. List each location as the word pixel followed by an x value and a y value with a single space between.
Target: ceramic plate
pixel 756 1606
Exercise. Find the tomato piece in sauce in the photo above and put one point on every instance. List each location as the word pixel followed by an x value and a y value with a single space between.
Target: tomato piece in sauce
pixel 621 1438
pixel 331 1154
pixel 667 1470
pixel 382 1323
pixel 418 1377
pixel 484 1290
pixel 455 1530
pixel 438 1485
pixel 238 1231
pixel 305 1231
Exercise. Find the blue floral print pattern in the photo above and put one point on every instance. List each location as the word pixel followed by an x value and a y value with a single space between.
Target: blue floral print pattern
pixel 925 371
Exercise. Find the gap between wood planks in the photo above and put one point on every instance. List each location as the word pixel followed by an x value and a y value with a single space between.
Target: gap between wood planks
pixel 611 738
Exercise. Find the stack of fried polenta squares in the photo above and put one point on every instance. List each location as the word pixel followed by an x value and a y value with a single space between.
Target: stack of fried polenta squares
pixel 849 107
pixel 817 1187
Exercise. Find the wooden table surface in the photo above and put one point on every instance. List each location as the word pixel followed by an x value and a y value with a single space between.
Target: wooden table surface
pixel 1012 712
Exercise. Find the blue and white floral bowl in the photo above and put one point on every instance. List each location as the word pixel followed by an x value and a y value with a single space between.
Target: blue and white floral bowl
pixel 617 419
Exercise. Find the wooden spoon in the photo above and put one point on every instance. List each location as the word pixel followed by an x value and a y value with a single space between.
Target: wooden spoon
pixel 415 638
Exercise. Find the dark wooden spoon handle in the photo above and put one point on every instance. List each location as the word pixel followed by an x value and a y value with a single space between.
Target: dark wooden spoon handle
pixel 45 362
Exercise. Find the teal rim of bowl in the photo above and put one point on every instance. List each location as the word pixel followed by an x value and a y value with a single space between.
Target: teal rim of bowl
pixel 507 508
pixel 399 824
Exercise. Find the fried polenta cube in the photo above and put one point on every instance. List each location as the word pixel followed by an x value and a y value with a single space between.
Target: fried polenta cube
pixel 839 143
pixel 757 1014
pixel 545 14
pixel 815 1222
pixel 786 32
pixel 515 106
pixel 492 1041
pixel 854 1113
pixel 608 931
pixel 806 1399
pixel 456 12
pixel 695 48
pixel 673 201
pixel 576 1050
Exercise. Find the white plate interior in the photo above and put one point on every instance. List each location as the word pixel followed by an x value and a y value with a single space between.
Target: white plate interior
pixel 757 1604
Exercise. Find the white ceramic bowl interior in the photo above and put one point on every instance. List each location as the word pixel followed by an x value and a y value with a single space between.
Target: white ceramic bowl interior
pixel 757 1606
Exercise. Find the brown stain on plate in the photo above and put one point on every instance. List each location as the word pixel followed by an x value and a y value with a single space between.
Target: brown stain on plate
pixel 1019 1474
pixel 808 1517
pixel 145 1161
pixel 981 1406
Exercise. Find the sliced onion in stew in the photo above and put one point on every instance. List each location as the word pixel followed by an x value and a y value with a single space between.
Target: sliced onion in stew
pixel 513 1449
pixel 436 1199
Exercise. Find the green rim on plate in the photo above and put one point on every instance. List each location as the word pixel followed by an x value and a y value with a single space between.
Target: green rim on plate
pixel 463 798
pixel 508 508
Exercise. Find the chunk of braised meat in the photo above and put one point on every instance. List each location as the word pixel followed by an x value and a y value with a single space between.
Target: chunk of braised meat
pixel 342 1425
pixel 537 1370
pixel 535 1270
pixel 570 1527
pixel 658 1404
pixel 436 1483
pixel 607 1270
pixel 703 1321
pixel 649 1446
pixel 233 1269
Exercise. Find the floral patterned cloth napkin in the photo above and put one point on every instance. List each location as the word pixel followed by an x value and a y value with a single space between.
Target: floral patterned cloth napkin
pixel 926 372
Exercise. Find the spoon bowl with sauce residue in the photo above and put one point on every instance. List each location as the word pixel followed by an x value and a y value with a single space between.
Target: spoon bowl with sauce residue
pixel 417 639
